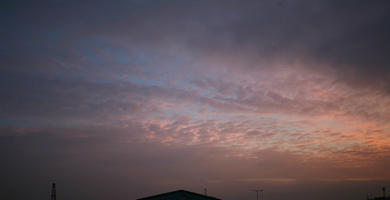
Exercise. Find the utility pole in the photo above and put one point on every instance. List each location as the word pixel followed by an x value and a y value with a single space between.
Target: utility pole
pixel 53 192
pixel 257 193
pixel 384 192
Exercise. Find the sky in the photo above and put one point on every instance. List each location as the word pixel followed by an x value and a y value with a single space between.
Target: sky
pixel 127 99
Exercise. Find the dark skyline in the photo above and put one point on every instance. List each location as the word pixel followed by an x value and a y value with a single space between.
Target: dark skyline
pixel 125 99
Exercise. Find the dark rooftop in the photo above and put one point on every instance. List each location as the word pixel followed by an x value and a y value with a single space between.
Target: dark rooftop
pixel 179 195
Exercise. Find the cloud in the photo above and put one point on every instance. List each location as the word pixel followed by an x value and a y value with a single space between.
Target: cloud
pixel 99 158
pixel 173 93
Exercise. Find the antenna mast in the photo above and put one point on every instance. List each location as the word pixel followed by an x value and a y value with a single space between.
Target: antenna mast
pixel 257 193
pixel 53 192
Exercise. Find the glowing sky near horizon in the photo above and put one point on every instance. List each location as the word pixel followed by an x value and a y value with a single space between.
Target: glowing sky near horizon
pixel 163 95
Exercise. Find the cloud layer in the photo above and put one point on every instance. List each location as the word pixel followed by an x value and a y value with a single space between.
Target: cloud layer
pixel 138 97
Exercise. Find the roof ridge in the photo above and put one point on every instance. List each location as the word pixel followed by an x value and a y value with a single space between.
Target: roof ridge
pixel 178 191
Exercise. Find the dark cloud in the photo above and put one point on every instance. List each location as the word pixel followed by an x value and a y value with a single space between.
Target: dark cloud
pixel 351 37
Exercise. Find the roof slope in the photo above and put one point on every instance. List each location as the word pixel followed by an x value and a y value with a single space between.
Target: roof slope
pixel 179 195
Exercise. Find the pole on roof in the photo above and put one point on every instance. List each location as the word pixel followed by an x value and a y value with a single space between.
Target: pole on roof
pixel 205 191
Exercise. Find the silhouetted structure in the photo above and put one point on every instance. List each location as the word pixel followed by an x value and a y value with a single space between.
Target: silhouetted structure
pixel 179 195
pixel 257 193
pixel 379 198
pixel 384 197
pixel 53 192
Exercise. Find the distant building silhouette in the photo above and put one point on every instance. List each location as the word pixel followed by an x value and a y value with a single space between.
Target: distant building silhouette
pixel 379 198
pixel 53 192
pixel 179 195
pixel 384 197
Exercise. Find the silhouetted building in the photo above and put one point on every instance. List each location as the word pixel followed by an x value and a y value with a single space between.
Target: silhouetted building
pixel 383 197
pixel 179 195
pixel 380 198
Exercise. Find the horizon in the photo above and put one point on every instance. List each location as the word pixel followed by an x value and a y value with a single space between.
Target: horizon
pixel 126 99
